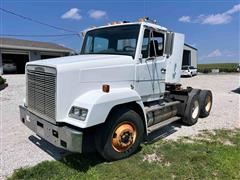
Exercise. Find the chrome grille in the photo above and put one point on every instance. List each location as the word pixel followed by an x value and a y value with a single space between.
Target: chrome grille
pixel 41 92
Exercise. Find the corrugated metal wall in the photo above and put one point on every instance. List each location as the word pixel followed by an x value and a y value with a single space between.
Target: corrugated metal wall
pixel 193 56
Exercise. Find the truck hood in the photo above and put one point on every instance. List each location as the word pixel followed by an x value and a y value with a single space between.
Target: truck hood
pixel 77 75
pixel 84 61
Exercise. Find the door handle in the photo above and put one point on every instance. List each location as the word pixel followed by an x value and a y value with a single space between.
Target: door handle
pixel 150 59
pixel 163 70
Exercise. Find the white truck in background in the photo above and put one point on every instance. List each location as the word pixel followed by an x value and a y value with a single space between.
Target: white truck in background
pixel 123 86
pixel 189 71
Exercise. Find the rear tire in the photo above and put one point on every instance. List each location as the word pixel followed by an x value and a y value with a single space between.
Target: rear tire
pixel 205 103
pixel 192 110
pixel 120 136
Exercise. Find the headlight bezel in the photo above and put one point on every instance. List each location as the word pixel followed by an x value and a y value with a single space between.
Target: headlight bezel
pixel 78 113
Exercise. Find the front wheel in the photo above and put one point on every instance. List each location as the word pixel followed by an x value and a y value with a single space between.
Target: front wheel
pixel 120 136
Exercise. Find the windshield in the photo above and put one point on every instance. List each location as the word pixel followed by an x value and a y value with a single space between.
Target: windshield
pixel 120 40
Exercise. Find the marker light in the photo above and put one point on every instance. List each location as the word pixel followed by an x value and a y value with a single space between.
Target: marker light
pixel 105 88
pixel 114 23
pixel 141 20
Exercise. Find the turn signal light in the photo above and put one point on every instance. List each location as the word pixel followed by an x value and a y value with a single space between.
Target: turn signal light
pixel 105 88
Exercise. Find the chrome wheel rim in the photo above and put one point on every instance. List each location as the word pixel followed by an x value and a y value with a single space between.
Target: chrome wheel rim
pixel 208 104
pixel 124 136
pixel 195 109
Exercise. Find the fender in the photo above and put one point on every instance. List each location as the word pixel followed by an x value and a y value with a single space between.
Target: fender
pixel 100 103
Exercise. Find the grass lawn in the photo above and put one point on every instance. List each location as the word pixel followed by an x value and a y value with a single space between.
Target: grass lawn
pixel 211 155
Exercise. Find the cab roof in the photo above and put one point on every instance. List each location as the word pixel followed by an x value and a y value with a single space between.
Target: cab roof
pixel 149 24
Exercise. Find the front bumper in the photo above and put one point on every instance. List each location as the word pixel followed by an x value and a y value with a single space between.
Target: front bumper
pixel 186 73
pixel 60 136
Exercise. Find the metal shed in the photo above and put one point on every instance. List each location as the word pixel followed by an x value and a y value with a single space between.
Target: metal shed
pixel 15 53
pixel 190 56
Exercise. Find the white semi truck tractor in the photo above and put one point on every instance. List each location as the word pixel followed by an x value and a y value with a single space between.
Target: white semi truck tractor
pixel 121 87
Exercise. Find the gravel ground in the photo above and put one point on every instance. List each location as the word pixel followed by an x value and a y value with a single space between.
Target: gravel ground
pixel 19 147
pixel 225 111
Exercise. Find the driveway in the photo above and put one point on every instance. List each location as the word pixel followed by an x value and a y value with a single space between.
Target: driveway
pixel 19 147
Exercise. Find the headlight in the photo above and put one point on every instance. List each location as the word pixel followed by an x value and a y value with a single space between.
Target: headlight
pixel 78 113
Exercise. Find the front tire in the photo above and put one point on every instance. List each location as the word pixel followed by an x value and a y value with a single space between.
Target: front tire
pixel 120 136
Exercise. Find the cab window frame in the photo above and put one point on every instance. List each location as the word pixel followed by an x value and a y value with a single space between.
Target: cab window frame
pixel 163 36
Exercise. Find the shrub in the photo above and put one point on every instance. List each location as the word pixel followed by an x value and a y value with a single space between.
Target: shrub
pixel 2 80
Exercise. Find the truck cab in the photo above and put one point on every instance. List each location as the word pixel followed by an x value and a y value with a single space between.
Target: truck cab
pixel 150 48
pixel 122 86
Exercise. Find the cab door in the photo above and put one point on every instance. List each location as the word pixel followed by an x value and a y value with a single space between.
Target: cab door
pixel 150 72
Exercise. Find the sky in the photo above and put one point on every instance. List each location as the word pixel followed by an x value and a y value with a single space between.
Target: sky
pixel 213 27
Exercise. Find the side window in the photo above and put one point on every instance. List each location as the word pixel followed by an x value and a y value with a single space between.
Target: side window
pixel 100 44
pixel 156 44
pixel 145 44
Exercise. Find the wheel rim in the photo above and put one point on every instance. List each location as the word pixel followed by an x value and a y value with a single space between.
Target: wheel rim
pixel 195 109
pixel 124 136
pixel 208 104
